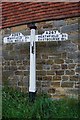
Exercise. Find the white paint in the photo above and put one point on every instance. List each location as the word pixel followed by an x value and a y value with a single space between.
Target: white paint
pixel 14 38
pixel 32 82
pixel 46 36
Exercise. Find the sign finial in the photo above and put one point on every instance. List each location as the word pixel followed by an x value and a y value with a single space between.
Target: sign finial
pixel 32 26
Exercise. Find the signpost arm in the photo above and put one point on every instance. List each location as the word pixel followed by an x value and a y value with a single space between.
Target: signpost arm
pixel 32 82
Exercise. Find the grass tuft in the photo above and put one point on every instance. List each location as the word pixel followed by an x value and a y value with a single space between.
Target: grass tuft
pixel 16 105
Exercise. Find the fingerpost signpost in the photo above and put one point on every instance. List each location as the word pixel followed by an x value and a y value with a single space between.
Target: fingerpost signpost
pixel 53 35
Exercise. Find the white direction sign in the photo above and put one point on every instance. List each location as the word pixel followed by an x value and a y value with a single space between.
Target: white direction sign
pixel 52 36
pixel 15 38
pixel 46 36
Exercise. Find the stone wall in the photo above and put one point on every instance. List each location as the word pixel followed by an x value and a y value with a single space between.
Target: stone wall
pixel 57 63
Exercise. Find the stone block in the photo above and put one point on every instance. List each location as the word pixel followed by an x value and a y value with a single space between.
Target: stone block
pixel 73 20
pixel 6 67
pixel 44 56
pixel 38 89
pixel 18 88
pixel 12 83
pixel 71 66
pixel 16 77
pixel 12 62
pixel 18 28
pixel 24 89
pixel 50 72
pixel 25 73
pixel 55 84
pixel 6 74
pixel 59 23
pixel 52 45
pixel 38 83
pixel 51 90
pixel 19 62
pixel 17 47
pixel 69 72
pixel 64 66
pixel 47 25
pixel 25 62
pixel 7 31
pixel 51 57
pixel 9 47
pixel 59 61
pixel 24 51
pixel 67 84
pixel 77 69
pixel 46 67
pixel 42 25
pixel 60 72
pixel 39 67
pixel 75 78
pixel 73 36
pixel 20 83
pixel 25 81
pixel 27 67
pixel 21 67
pixel 41 73
pixel 39 61
pixel 47 78
pixel 6 56
pixel 39 77
pixel 12 67
pixel 68 46
pixel 55 67
pixel 77 84
pixel 44 90
pixel 76 42
pixel 56 54
pixel 18 72
pixel 38 56
pixel 65 77
pixel 69 28
pixel 56 78
pixel 64 55
pixel 60 91
pixel 68 60
pixel 73 91
pixel 74 55
pixel 21 57
pixel 45 84
pixel 40 45
pixel 77 60
pixel 49 62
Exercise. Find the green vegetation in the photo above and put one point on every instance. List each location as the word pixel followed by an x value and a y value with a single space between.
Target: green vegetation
pixel 0 102
pixel 17 105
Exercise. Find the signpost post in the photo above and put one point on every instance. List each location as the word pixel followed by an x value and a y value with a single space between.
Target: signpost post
pixel 32 82
pixel 45 37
